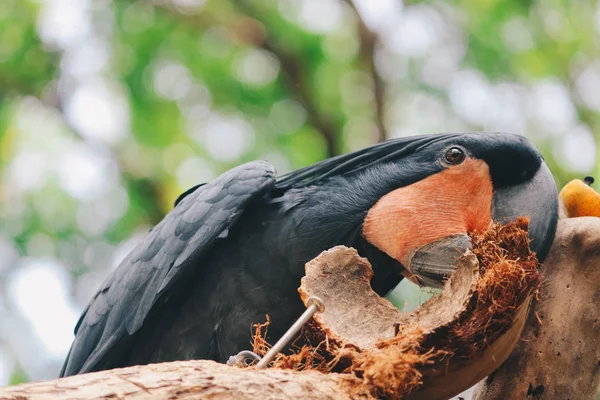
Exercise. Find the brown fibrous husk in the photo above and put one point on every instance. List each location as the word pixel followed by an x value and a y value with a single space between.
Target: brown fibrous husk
pixel 508 275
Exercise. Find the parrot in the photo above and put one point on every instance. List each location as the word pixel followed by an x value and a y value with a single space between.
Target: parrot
pixel 233 250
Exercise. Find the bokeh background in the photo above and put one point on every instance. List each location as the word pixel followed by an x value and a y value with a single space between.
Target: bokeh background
pixel 110 108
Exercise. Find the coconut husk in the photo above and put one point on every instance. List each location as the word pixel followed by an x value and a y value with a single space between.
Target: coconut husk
pixel 452 341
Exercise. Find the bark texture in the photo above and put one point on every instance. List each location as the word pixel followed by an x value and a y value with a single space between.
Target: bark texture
pixel 559 354
pixel 191 380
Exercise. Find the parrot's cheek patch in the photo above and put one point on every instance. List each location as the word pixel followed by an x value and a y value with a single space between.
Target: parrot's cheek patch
pixel 434 262
pixel 407 221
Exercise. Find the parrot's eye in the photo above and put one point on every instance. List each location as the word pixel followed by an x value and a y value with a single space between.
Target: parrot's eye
pixel 454 155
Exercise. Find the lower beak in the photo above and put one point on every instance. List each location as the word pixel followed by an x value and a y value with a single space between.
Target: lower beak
pixel 536 199
pixel 434 262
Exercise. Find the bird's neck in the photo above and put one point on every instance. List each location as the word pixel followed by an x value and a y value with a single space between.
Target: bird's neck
pixel 330 216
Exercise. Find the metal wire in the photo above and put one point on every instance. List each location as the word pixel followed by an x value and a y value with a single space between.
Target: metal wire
pixel 315 305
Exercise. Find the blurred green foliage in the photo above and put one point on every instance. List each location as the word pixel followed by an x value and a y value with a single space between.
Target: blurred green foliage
pixel 18 376
pixel 26 66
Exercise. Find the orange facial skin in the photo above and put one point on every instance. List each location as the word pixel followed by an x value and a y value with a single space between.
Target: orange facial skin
pixel 454 201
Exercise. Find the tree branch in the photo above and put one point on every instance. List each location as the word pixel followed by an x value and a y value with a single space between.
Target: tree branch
pixel 292 67
pixel 368 42
pixel 192 379
pixel 293 70
pixel 296 82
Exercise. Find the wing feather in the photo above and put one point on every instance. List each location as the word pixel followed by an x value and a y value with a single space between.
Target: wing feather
pixel 178 243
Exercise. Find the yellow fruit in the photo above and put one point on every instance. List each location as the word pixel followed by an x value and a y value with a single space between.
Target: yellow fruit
pixel 578 199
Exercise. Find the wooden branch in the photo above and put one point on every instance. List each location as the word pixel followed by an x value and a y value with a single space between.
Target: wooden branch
pixel 191 379
pixel 368 42
pixel 294 76
pixel 292 65
pixel 293 71
pixel 559 354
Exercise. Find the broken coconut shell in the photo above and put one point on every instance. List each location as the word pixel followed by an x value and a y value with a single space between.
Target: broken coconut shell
pixel 437 351
pixel 356 316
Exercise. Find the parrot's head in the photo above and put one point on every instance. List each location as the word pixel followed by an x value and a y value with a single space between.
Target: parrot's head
pixel 416 199
pixel 461 183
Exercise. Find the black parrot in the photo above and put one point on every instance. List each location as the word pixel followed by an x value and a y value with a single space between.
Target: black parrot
pixel 234 249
